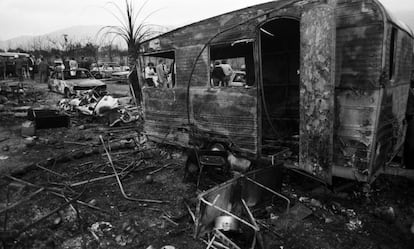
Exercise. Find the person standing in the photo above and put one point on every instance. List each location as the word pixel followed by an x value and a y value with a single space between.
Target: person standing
pixel 2 68
pixel 149 74
pixel 31 65
pixel 19 67
pixel 162 73
pixel 228 71
pixel 82 62
pixel 73 65
pixel 172 73
pixel 43 70
pixel 217 75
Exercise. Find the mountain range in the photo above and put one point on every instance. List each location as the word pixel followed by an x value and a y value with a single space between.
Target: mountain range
pixel 82 33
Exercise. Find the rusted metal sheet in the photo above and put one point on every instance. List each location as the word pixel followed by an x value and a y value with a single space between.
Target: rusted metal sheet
pixel 352 13
pixel 166 115
pixel 390 132
pixel 358 56
pixel 227 196
pixel 185 60
pixel 226 114
pixel 356 122
pixel 317 91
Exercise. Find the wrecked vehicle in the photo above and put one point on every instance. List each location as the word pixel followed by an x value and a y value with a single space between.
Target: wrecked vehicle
pixel 73 82
pixel 329 80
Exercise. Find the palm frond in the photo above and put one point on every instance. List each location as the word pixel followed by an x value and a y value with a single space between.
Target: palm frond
pixel 132 26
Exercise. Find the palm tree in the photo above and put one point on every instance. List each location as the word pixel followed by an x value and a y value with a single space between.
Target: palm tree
pixel 133 29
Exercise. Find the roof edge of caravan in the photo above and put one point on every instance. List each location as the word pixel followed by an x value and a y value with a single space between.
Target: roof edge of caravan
pixel 283 3
pixel 391 17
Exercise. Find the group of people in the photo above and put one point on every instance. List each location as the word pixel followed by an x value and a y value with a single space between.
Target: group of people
pixel 24 67
pixel 221 73
pixel 40 66
pixel 159 76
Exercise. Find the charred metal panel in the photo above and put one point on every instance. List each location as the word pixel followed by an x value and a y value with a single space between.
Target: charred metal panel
pixel 359 54
pixel 391 129
pixel 403 57
pixel 317 91
pixel 357 13
pixel 227 114
pixel 227 196
pixel 356 120
pixel 165 115
pixel 185 59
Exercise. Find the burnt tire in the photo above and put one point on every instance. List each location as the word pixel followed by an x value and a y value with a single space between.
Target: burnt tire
pixel 409 145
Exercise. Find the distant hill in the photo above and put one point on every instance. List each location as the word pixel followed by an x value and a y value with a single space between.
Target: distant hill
pixel 75 33
pixel 83 33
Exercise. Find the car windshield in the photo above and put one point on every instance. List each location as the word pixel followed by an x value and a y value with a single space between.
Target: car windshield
pixel 78 74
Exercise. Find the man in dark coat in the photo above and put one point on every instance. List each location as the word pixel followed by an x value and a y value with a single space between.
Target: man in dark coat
pixel 43 70
pixel 19 68
pixel 31 65
pixel 217 75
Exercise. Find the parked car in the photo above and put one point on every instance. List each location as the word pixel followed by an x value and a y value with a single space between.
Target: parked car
pixel 238 78
pixel 106 69
pixel 8 63
pixel 73 82
pixel 121 77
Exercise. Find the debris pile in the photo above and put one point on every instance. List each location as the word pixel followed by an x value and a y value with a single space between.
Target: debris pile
pixel 60 194
pixel 92 104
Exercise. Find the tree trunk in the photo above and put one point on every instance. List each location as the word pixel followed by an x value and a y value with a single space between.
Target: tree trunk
pixel 133 79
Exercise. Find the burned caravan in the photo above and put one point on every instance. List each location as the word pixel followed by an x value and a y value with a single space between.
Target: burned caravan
pixel 327 79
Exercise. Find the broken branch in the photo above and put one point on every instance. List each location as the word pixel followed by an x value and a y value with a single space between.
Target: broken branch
pixel 163 167
pixel 83 203
pixel 49 214
pixel 22 200
pixel 190 212
pixel 169 220
pixel 31 184
pixel 49 170
pixel 91 180
pixel 119 180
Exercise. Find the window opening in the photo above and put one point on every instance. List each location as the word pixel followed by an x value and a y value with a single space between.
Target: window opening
pixel 232 65
pixel 159 70
pixel 393 50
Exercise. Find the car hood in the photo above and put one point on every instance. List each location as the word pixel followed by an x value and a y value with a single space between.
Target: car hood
pixel 120 73
pixel 87 82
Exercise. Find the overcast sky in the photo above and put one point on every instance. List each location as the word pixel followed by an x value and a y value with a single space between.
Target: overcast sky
pixel 36 17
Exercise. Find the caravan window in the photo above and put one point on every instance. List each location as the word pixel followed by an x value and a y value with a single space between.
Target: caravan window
pixel 159 70
pixel 232 65
pixel 393 51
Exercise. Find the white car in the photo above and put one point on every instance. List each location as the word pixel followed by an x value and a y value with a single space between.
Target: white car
pixel 74 82
pixel 106 69
pixel 238 78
